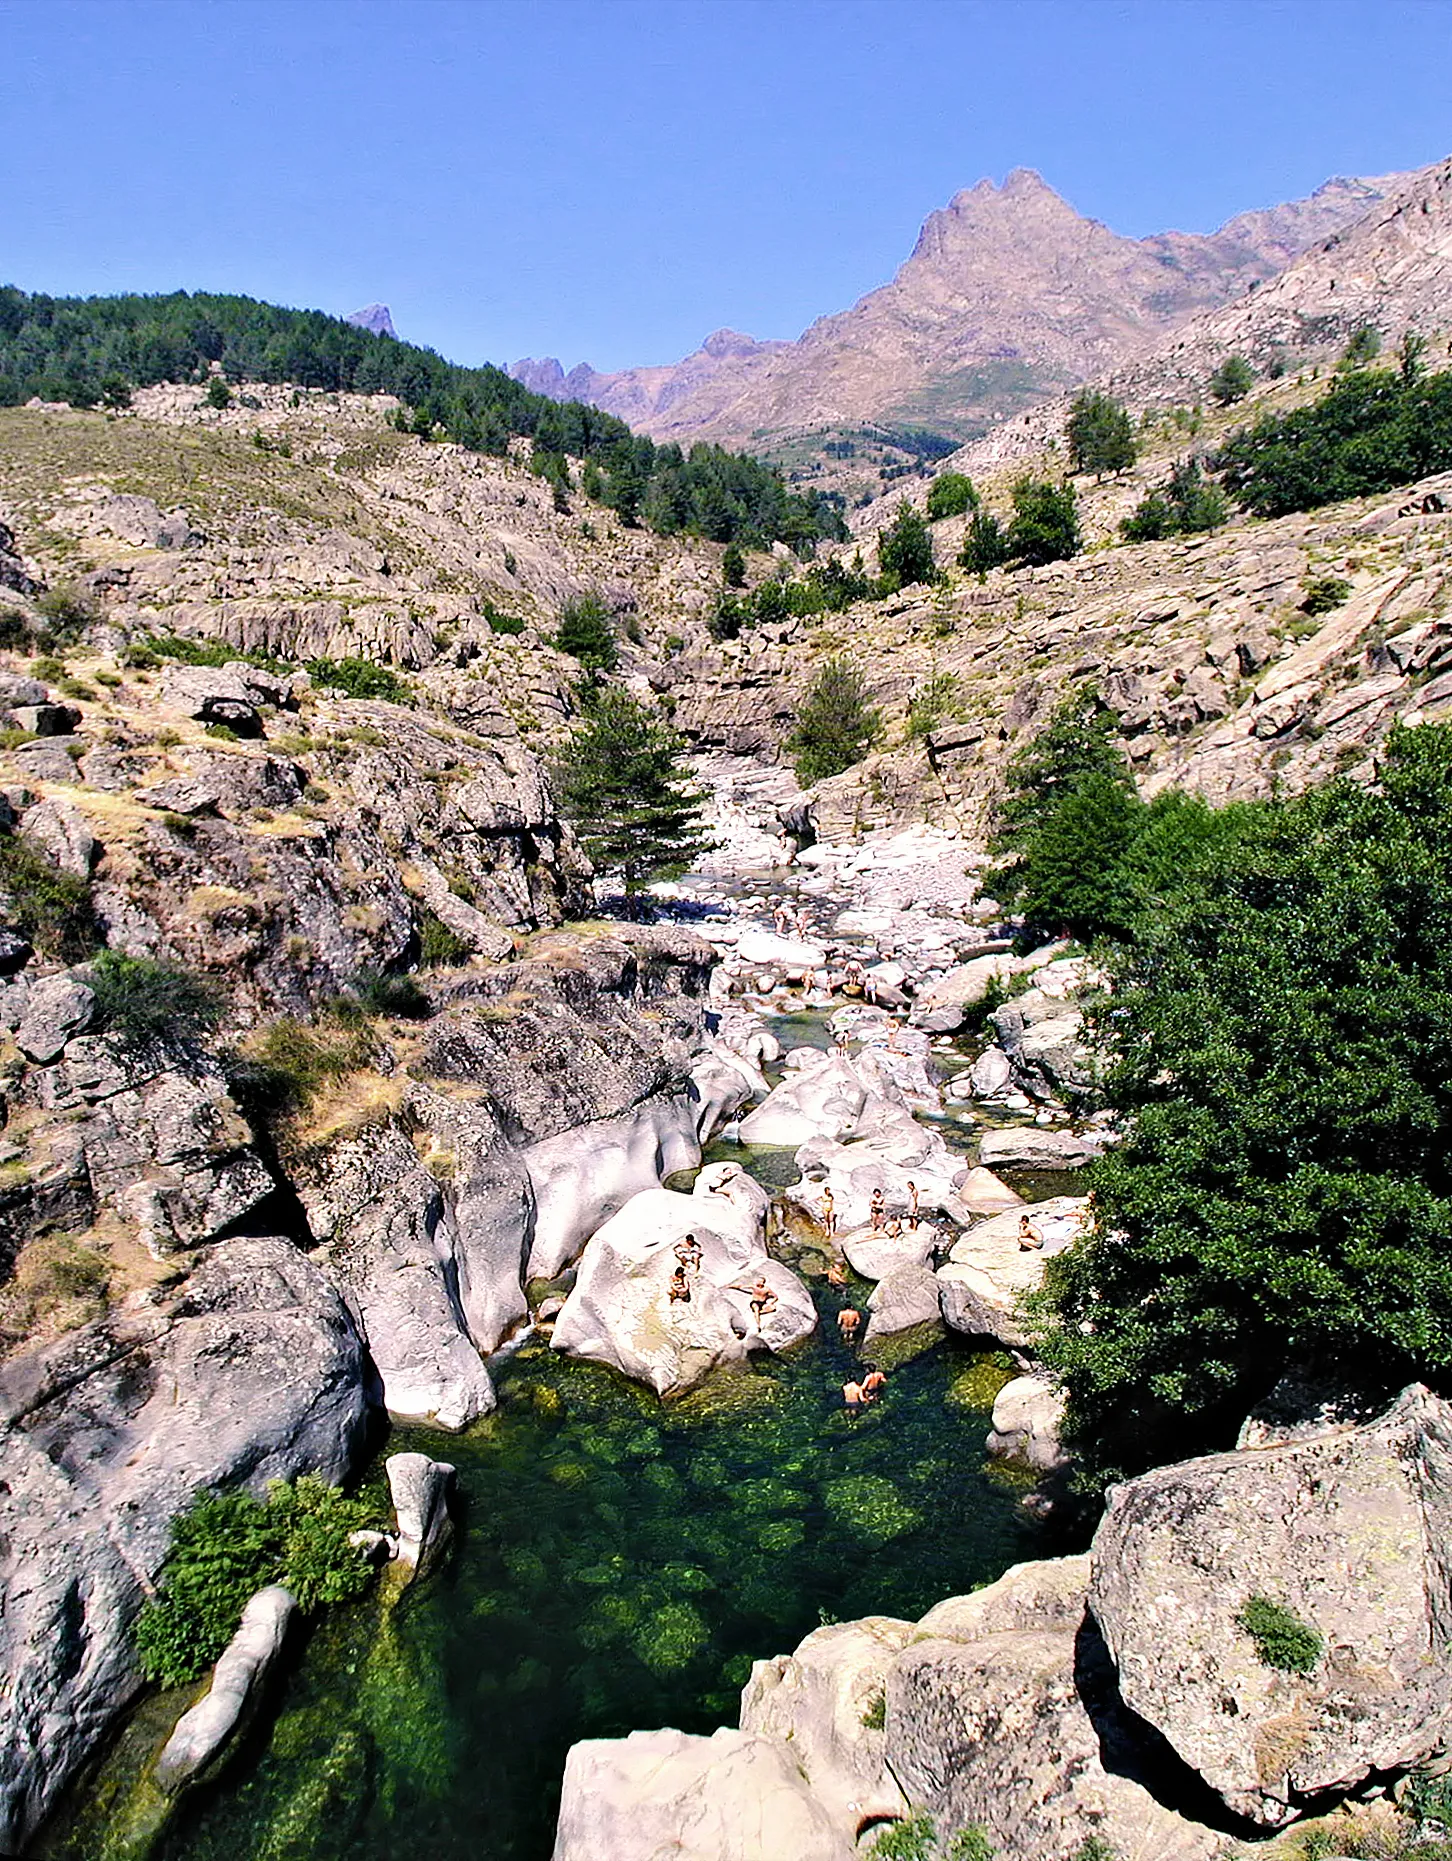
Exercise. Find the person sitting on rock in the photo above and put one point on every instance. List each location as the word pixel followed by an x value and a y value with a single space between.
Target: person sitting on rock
pixel 763 1301
pixel 855 1399
pixel 680 1292
pixel 848 1319
pixel 688 1252
pixel 1029 1238
pixel 877 1209
pixel 893 1229
pixel 836 1274
pixel 913 1215
pixel 872 1382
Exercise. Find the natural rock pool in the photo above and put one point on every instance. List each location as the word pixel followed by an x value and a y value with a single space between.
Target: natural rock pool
pixel 620 1564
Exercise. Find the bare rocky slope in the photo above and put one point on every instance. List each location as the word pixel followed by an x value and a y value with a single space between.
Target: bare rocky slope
pixel 1008 295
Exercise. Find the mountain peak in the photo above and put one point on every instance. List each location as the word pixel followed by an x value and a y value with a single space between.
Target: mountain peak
pixel 375 318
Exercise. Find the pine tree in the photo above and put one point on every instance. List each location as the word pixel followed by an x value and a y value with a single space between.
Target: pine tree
pixel 733 568
pixel 985 546
pixel 1045 523
pixel 1078 742
pixel 584 633
pixel 620 782
pixel 1232 381
pixel 905 548
pixel 835 726
pixel 1100 435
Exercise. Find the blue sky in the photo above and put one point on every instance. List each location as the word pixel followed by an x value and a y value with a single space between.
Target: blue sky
pixel 609 180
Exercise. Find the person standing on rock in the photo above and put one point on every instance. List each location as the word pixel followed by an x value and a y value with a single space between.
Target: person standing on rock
pixel 877 1208
pixel 829 1212
pixel 913 1216
pixel 763 1301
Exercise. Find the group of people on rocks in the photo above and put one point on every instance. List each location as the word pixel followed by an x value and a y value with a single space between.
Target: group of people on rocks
pixel 688 1263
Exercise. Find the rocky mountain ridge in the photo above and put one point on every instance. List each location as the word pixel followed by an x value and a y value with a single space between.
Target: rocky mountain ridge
pixel 1008 294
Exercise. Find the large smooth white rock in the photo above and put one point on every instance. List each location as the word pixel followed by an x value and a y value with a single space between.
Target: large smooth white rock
pixel 760 949
pixel 667 1796
pixel 583 1176
pixel 988 1272
pixel 816 1700
pixel 1028 1413
pixel 821 1099
pixel 620 1311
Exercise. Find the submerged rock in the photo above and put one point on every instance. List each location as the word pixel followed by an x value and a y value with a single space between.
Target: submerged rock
pixel 205 1728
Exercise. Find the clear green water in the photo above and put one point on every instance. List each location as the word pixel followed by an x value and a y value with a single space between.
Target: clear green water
pixel 620 1565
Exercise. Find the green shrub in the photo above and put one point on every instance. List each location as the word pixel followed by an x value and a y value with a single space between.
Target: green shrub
pixel 1045 522
pixel 67 611
pixel 874 1713
pixel 53 909
pixel 1364 347
pixel 905 549
pixel 360 678
pixel 835 726
pixel 502 623
pixel 1232 381
pixel 380 993
pixel 585 634
pixel 1323 593
pixel 150 1003
pixel 950 495
pixel 985 546
pixel 1095 1848
pixel 733 567
pixel 292 1061
pixel 1190 502
pixel 931 704
pixel 218 394
pixel 14 631
pixel 1281 1638
pixel 439 947
pixel 1100 434
pixel 915 1838
pixel 229 1546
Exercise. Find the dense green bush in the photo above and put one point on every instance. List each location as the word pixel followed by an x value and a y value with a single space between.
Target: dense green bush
pixel 1232 381
pixel 502 623
pixel 290 1061
pixel 905 549
pixel 1324 593
pixel 53 909
pixel 1188 503
pixel 1281 1638
pixel 1369 432
pixel 985 546
pixel 836 726
pixel 379 992
pixel 153 647
pixel 150 1003
pixel 229 1546
pixel 14 631
pixel 585 634
pixel 86 350
pixel 1045 522
pixel 360 678
pixel 1099 434
pixel 916 1838
pixel 1278 1049
pixel 950 495
pixel 439 947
